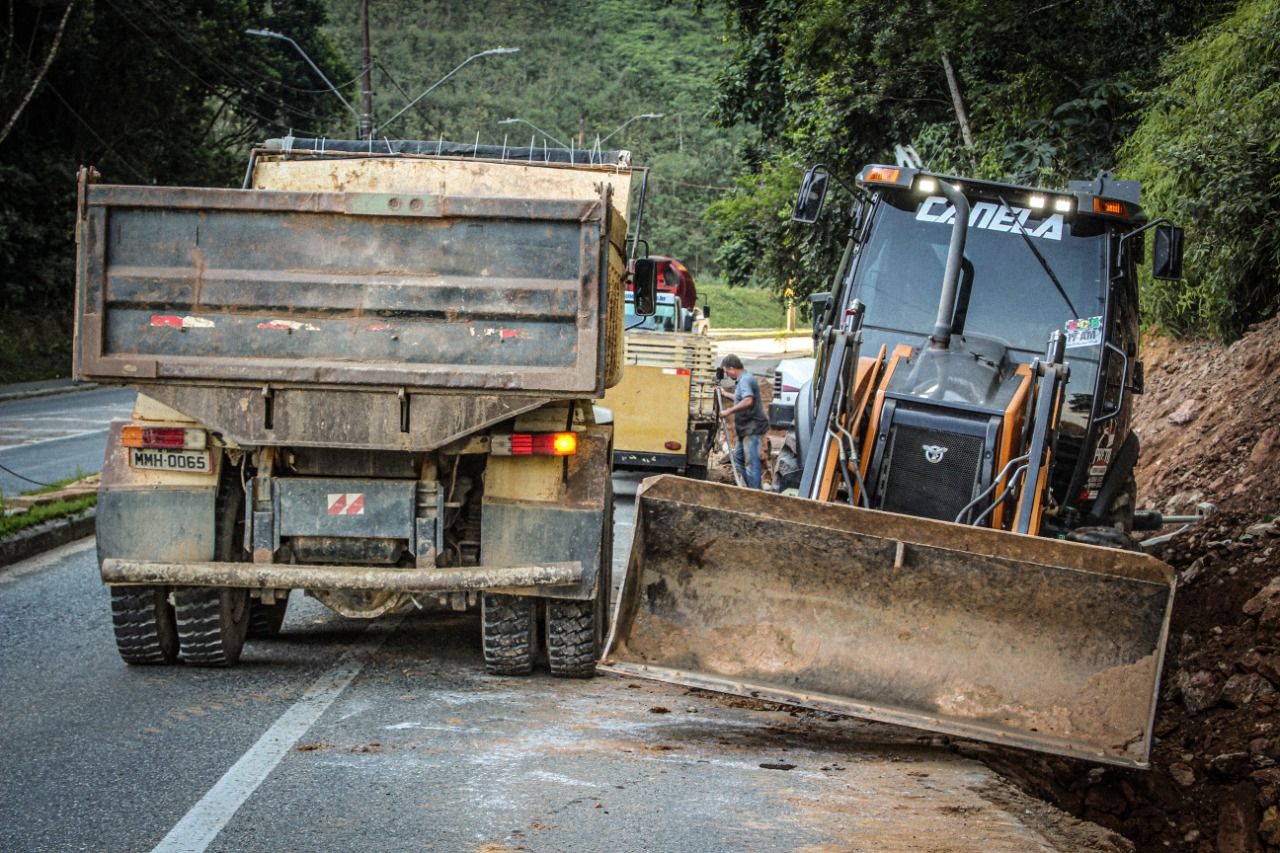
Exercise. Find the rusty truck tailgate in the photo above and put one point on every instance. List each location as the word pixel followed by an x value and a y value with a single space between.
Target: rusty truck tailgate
pixel 417 291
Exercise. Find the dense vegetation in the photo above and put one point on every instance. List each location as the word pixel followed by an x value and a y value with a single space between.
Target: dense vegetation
pixel 582 74
pixel 147 92
pixel 1183 95
pixel 1026 91
pixel 177 93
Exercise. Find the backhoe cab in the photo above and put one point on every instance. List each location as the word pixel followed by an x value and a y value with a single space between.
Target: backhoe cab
pixel 987 318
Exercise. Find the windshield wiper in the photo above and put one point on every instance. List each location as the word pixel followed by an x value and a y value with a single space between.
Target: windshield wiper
pixel 1039 257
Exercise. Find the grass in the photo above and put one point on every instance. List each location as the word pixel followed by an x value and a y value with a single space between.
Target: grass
pixel 11 525
pixel 741 307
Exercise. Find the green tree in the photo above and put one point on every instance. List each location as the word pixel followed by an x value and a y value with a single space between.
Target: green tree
pixel 1031 91
pixel 580 74
pixel 1208 154
pixel 146 92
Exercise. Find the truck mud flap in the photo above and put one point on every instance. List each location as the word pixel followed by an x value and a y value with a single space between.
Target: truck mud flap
pixel 1027 642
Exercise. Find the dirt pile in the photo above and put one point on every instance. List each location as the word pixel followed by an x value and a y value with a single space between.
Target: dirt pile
pixel 1209 423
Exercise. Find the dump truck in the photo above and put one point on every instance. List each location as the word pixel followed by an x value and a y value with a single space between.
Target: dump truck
pixel 955 550
pixel 368 375
pixel 663 409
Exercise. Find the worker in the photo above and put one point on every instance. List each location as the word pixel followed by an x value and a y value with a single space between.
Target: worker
pixel 749 420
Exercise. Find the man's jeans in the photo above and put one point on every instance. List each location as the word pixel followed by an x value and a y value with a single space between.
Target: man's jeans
pixel 752 463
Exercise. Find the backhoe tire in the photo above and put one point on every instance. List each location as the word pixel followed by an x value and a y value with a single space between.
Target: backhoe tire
pixel 788 467
pixel 507 623
pixel 145 629
pixel 1105 537
pixel 1120 513
pixel 265 619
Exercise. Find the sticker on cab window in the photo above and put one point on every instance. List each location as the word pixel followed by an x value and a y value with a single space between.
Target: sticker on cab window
pixel 1085 332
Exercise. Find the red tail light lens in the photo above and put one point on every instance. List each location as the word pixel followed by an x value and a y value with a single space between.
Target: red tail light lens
pixel 164 438
pixel 537 444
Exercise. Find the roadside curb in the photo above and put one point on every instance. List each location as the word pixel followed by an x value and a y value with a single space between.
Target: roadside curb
pixel 45 537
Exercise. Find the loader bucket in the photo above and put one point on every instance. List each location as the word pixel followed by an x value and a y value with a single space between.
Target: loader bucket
pixel 1012 639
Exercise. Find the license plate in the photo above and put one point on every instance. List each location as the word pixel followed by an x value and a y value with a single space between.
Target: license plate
pixel 191 461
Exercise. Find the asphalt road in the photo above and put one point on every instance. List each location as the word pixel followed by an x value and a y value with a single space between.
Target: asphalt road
pixel 344 735
pixel 387 735
pixel 47 439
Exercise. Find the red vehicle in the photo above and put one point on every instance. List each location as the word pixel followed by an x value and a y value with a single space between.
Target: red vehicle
pixel 674 277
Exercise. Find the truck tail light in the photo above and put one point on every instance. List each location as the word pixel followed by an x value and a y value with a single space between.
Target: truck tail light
pixel 672 445
pixel 164 438
pixel 535 444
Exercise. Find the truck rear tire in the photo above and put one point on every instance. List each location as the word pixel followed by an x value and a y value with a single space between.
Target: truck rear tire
pixel 146 632
pixel 575 627
pixel 212 624
pixel 573 637
pixel 508 626
pixel 214 621
pixel 265 619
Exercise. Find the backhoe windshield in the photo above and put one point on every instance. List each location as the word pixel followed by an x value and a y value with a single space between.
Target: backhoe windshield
pixel 1013 300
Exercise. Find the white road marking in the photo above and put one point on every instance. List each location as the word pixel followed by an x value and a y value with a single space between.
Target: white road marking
pixel 197 830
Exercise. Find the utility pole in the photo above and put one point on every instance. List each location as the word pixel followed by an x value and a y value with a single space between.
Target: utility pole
pixel 365 129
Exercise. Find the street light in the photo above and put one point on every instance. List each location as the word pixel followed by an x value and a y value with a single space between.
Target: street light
pixel 624 124
pixel 442 79
pixel 535 127
pixel 314 67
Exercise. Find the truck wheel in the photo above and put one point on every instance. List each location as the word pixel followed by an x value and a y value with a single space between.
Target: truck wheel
pixel 573 637
pixel 696 472
pixel 265 619
pixel 576 628
pixel 508 626
pixel 214 621
pixel 146 632
pixel 212 624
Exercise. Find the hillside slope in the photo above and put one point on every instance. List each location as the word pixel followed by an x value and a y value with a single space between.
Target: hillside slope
pixel 1210 429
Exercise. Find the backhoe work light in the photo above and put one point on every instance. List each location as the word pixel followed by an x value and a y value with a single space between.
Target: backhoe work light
pixel 927 185
pixel 535 444
pixel 164 438
pixel 1062 205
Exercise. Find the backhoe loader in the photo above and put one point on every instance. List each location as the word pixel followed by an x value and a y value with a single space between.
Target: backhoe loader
pixel 952 551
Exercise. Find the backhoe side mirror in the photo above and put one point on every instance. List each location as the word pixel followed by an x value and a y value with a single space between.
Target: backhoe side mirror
pixel 813 191
pixel 644 286
pixel 1166 262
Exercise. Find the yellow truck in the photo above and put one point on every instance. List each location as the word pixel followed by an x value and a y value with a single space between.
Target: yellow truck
pixel 664 407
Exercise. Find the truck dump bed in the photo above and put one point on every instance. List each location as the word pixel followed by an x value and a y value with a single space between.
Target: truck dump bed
pixel 384 278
